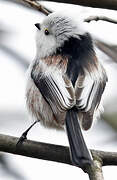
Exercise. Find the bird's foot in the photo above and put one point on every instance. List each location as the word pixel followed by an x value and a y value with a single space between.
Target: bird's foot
pixel 24 135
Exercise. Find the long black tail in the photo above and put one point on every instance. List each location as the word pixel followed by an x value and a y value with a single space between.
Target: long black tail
pixel 79 153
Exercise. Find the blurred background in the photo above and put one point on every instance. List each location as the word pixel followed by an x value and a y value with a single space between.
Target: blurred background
pixel 17 50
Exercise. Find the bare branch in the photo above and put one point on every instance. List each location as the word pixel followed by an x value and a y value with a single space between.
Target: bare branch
pixel 95 172
pixel 33 4
pixel 49 152
pixel 106 4
pixel 56 153
pixel 37 149
pixel 103 18
pixel 107 158
pixel 37 6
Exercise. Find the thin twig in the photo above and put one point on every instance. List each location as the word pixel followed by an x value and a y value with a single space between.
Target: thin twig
pixel 37 6
pixel 103 18
pixel 33 4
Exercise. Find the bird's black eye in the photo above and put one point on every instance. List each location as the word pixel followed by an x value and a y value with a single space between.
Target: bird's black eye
pixel 46 31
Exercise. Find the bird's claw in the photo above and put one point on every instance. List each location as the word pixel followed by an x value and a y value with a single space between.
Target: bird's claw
pixel 22 139
pixel 24 135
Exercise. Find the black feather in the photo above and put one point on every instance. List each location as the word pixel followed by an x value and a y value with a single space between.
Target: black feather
pixel 78 52
pixel 79 152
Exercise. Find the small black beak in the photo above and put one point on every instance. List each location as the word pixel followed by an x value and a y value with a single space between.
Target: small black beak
pixel 38 26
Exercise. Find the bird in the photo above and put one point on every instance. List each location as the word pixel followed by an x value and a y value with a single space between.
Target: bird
pixel 65 82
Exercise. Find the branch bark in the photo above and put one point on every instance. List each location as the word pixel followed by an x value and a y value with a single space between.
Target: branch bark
pixel 50 152
pixel 37 6
pixel 95 172
pixel 102 18
pixel 33 4
pixel 35 149
pixel 106 4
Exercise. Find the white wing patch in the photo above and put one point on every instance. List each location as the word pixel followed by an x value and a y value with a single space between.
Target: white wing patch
pixel 89 89
pixel 55 88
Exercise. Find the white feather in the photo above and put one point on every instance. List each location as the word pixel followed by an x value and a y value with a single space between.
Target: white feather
pixel 47 45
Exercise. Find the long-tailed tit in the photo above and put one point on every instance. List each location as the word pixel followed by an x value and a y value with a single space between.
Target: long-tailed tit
pixel 66 81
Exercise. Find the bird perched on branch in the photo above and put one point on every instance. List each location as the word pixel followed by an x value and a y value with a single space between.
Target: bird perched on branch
pixel 65 82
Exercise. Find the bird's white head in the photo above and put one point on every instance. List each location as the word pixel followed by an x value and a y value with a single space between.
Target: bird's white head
pixel 56 29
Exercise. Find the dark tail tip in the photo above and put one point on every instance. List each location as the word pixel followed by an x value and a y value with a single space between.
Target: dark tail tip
pixel 80 154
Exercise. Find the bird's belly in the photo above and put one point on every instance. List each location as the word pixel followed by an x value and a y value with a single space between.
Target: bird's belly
pixel 41 110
